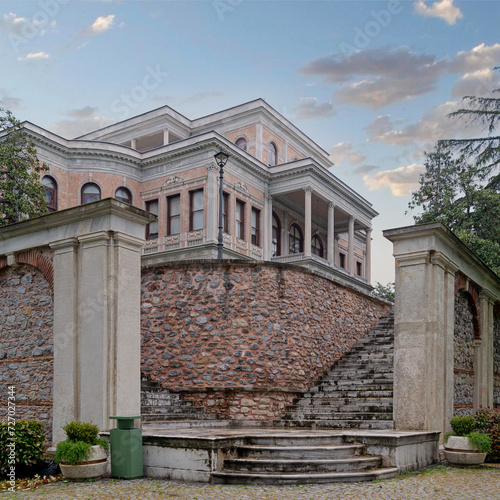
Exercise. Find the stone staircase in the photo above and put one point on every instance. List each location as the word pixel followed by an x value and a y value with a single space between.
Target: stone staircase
pixel 158 405
pixel 289 459
pixel 358 391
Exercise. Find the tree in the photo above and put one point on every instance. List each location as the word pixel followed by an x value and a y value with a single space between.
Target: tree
pixel 453 191
pixel 484 151
pixel 21 194
pixel 463 191
pixel 385 292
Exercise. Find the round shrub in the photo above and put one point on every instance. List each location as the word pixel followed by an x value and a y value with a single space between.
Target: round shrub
pixel 463 425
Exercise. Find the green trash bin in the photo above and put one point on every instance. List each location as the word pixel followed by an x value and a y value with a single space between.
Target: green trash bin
pixel 126 449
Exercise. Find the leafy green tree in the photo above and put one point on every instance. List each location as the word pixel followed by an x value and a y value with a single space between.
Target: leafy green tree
pixel 384 291
pixel 21 194
pixel 453 191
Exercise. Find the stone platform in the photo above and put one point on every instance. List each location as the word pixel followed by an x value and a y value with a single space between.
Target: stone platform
pixel 222 452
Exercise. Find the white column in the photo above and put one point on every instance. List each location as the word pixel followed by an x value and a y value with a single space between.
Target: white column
pixel 331 234
pixel 307 221
pixel 285 247
pixel 166 137
pixel 268 226
pixel 212 207
pixel 133 143
pixel 336 250
pixel 350 247
pixel 483 362
pixel 368 255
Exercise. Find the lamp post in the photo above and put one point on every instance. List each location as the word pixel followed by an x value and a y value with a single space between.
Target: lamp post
pixel 221 159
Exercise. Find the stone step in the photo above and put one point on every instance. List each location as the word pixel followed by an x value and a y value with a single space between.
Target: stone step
pixel 340 424
pixel 163 418
pixel 303 478
pixel 347 393
pixel 315 414
pixel 348 401
pixel 299 466
pixel 295 440
pixel 300 452
pixel 355 407
pixel 388 386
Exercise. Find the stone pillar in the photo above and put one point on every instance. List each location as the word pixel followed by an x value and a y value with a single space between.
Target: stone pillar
pixel 368 255
pixel 307 221
pixel 66 398
pixel 483 359
pixel 350 247
pixel 212 204
pixel 331 234
pixel 423 344
pixel 133 143
pixel 285 246
pixel 268 226
pixel 166 137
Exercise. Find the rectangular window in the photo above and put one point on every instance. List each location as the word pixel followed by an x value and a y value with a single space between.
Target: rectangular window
pixel 240 219
pixel 225 213
pixel 152 227
pixel 359 268
pixel 196 210
pixel 174 214
pixel 342 259
pixel 255 227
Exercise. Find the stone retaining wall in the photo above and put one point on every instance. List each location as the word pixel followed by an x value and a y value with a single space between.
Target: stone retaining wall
pixel 252 326
pixel 464 356
pixel 26 343
pixel 496 361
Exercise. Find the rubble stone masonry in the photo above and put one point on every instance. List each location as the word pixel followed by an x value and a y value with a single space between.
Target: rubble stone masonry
pixel 26 343
pixel 496 361
pixel 243 339
pixel 464 356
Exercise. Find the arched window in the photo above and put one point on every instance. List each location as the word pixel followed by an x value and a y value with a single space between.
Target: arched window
pixel 317 246
pixel 273 154
pixel 90 192
pixel 276 236
pixel 296 239
pixel 242 143
pixel 123 194
pixel 50 186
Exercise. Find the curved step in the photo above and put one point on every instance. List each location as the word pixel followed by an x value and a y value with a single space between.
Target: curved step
pixel 232 477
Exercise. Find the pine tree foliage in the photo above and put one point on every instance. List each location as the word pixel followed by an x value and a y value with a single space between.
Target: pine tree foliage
pixel 21 194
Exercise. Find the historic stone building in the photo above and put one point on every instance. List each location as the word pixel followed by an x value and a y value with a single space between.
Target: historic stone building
pixel 281 202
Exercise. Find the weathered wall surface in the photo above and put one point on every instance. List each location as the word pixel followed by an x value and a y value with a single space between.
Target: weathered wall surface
pixel 258 328
pixel 463 400
pixel 26 343
pixel 496 361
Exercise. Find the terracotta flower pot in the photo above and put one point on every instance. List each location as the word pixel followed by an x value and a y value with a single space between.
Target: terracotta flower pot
pixel 94 466
pixel 459 452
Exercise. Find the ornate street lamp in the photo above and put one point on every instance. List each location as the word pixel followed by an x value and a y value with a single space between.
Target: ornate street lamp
pixel 221 159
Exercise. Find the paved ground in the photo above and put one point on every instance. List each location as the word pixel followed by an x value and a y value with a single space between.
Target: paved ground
pixel 436 483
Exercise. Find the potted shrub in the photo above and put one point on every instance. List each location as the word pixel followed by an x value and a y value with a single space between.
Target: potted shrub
pixel 465 447
pixel 82 455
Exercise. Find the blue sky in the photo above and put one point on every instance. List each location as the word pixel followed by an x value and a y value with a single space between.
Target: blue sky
pixel 371 82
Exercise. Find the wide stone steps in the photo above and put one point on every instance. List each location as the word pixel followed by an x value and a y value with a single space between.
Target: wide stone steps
pixel 297 460
pixel 358 390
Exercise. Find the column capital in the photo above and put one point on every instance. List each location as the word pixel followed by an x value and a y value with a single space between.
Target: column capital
pixel 331 205
pixel 268 197
pixel 212 167
pixel 308 190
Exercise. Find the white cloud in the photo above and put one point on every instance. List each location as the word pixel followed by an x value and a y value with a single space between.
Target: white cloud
pixel 345 151
pixel 80 121
pixel 402 181
pixel 311 107
pixel 24 27
pixel 382 76
pixel 9 102
pixel 442 9
pixel 102 24
pixel 34 56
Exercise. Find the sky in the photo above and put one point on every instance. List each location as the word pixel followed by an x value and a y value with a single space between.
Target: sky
pixel 372 82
